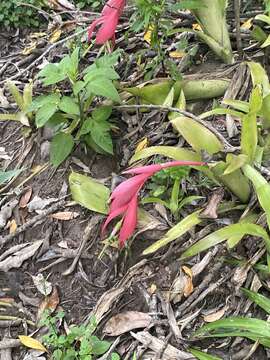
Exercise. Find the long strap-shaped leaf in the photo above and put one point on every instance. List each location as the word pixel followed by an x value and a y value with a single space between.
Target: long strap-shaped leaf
pixel 226 233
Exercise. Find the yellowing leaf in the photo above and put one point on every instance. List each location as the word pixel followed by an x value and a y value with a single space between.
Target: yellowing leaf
pixel 177 54
pixel 55 36
pixel 29 49
pixel 247 24
pixel 12 226
pixel 187 270
pixel 196 27
pixel 148 34
pixel 142 145
pixel 32 343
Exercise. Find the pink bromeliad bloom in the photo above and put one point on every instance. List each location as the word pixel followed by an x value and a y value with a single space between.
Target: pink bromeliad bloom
pixel 108 20
pixel 124 198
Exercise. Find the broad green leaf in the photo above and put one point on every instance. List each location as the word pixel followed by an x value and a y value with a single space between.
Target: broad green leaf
pixel 255 101
pixel 259 77
pixel 180 104
pixel 265 112
pixel 42 100
pixel 61 146
pixel 224 234
pixel 31 343
pixel 27 96
pixel 258 299
pixel 169 99
pixel 249 135
pixel 202 355
pixel 85 128
pixel 69 106
pixel 8 175
pixel 262 188
pixel 237 104
pixel 222 111
pixel 104 87
pixel 175 232
pixel 263 18
pixel 266 42
pixel 44 113
pixel 89 193
pixel 98 346
pixel 100 132
pixel 96 73
pixel 234 162
pixel 101 113
pixel 78 86
pixel 248 327
pixel 197 135
pixel 17 96
pixel 51 74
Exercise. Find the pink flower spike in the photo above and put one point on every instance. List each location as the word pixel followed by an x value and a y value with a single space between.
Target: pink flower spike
pixel 112 215
pixel 108 28
pixel 130 221
pixel 128 188
pixel 157 167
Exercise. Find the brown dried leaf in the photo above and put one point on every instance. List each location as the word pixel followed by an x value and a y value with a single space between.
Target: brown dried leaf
pixel 65 215
pixel 124 322
pixel 188 288
pixel 215 315
pixel 25 198
pixel 12 226
pixel 49 303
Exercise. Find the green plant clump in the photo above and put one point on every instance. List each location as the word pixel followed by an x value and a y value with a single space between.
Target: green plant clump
pixel 79 343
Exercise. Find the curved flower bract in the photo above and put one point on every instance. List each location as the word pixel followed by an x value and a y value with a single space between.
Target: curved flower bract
pixel 124 198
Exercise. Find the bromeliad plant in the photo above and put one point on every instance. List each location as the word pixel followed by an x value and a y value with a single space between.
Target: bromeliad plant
pixel 69 114
pixel 124 199
pixel 236 171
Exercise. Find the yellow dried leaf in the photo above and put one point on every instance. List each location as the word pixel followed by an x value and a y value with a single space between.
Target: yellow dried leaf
pixel 196 27
pixel 55 36
pixel 153 289
pixel 29 49
pixel 32 343
pixel 37 35
pixel 12 226
pixel 177 54
pixel 187 271
pixel 247 24
pixel 142 145
pixel 148 34
pixel 65 215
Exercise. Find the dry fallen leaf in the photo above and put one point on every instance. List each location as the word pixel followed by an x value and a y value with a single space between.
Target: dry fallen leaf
pixel 142 145
pixel 49 303
pixel 15 260
pixel 188 289
pixel 42 285
pixel 38 204
pixel 247 24
pixel 124 322
pixel 177 54
pixel 12 226
pixel 29 49
pixel 148 34
pixel 196 27
pixel 6 212
pixel 55 36
pixel 215 315
pixel 65 215
pixel 25 198
pixel 31 343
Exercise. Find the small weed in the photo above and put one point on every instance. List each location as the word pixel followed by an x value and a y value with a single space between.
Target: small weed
pixel 79 342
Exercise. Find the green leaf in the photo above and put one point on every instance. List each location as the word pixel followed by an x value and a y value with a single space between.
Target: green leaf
pixel 202 355
pixel 263 18
pixel 262 189
pixel 78 86
pixel 43 100
pixel 104 87
pixel 234 162
pixel 251 217
pixel 258 299
pixel 96 73
pixel 221 111
pixel 197 135
pixel 16 95
pixel 237 104
pixel 89 193
pixel 169 151
pixel 85 128
pixel 102 113
pixel 61 146
pixel 175 232
pixel 100 132
pixel 8 175
pixel 44 113
pixel 99 347
pixel 69 106
pixel 51 74
pixel 225 233
pixel 251 328
pixel 259 77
